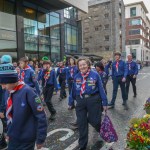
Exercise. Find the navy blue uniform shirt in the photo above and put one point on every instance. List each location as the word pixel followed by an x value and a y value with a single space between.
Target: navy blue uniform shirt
pixel 30 79
pixel 132 68
pixel 104 77
pixel 51 80
pixel 75 71
pixel 62 73
pixel 122 69
pixel 93 85
pixel 107 67
pixel 29 124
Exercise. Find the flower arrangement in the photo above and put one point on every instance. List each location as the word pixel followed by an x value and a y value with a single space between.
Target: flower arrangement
pixel 138 137
pixel 147 106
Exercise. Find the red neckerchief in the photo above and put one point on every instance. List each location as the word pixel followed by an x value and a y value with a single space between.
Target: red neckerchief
pixel 84 76
pixel 72 71
pixel 47 75
pixel 61 69
pixel 23 72
pixel 117 65
pixel 9 115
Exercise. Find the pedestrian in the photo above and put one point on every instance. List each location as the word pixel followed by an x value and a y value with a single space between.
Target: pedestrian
pixel 89 94
pixel 119 74
pixel 107 68
pixel 132 75
pixel 28 75
pixel 49 82
pixel 26 119
pixel 72 70
pixel 100 69
pixel 62 73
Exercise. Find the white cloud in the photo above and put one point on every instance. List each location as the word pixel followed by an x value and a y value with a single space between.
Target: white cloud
pixel 146 2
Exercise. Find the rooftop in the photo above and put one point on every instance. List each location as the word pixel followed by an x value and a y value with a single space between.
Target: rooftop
pixel 137 3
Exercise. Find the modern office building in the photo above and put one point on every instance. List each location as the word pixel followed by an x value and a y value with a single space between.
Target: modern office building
pixel 37 28
pixel 103 28
pixel 137 31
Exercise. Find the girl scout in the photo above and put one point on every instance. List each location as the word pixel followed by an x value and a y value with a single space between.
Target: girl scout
pixel 89 94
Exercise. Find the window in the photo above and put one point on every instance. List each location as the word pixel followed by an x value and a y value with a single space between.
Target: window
pixel 106 38
pixel 106 48
pixel 134 31
pixel 135 22
pixel 71 38
pixel 106 26
pixel 70 12
pixel 106 15
pixel 134 42
pixel 133 11
pixel 133 52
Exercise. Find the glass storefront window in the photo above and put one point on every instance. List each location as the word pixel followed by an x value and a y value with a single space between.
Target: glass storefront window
pixel 55 53
pixel 71 36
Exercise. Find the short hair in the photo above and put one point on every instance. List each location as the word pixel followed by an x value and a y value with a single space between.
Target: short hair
pixel 99 65
pixel 117 53
pixel 47 62
pixel 24 59
pixel 86 60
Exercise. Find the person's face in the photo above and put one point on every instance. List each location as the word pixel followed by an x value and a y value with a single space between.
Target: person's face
pixel 117 57
pixel 22 64
pixel 71 61
pixel 97 69
pixel 31 63
pixel 8 87
pixel 18 70
pixel 15 64
pixel 61 64
pixel 129 58
pixel 83 66
pixel 46 66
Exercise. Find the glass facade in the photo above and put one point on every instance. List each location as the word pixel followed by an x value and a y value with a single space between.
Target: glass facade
pixel 8 44
pixel 41 34
pixel 35 31
pixel 71 38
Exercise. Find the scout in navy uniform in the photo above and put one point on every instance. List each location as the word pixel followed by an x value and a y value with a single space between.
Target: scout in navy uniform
pixel 27 75
pixel 132 74
pixel 89 94
pixel 49 83
pixel 107 69
pixel 62 74
pixel 26 119
pixel 119 74
pixel 100 69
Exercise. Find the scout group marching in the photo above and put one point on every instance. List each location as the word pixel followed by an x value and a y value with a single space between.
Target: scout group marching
pixel 22 106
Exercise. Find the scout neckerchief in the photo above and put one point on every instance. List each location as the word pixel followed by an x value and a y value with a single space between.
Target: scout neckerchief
pixel 9 114
pixel 71 71
pixel 130 65
pixel 117 65
pixel 47 75
pixel 61 69
pixel 84 76
pixel 23 72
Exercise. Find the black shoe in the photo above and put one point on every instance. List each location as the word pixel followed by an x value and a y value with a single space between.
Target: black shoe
pixel 124 103
pixel 74 128
pixel 98 145
pixel 3 146
pixel 52 117
pixel 135 95
pixel 73 123
pixel 111 105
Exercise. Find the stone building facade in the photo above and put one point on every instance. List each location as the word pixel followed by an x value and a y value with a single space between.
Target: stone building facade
pixel 103 28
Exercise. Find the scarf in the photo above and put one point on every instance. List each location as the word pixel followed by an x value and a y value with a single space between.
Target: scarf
pixel 9 114
pixel 117 65
pixel 23 72
pixel 47 75
pixel 84 76
pixel 71 72
pixel 61 69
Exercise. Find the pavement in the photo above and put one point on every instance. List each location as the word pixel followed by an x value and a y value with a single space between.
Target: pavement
pixel 61 137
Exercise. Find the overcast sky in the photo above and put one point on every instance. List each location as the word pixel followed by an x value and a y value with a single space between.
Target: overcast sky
pixel 147 3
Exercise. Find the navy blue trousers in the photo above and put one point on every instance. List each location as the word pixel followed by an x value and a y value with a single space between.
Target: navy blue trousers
pixel 88 110
pixel 116 82
pixel 20 146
